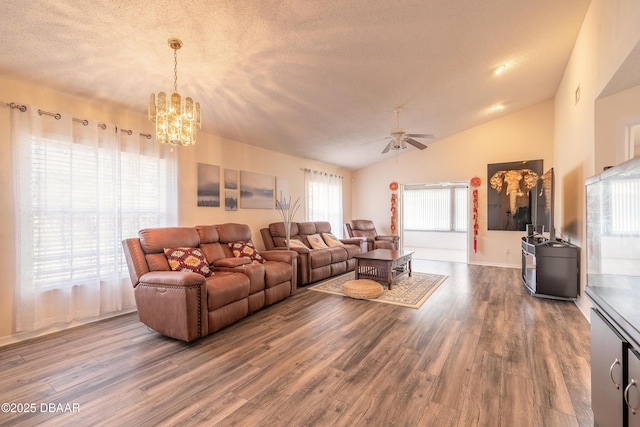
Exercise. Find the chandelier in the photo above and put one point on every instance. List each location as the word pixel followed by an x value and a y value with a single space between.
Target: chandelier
pixel 176 122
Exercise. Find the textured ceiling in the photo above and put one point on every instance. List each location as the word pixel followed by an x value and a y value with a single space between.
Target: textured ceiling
pixel 315 79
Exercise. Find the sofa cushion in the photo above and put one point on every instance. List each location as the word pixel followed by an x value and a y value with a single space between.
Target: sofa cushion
pixel 188 259
pixel 319 258
pixel 316 242
pixel 154 240
pixel 277 272
pixel 225 288
pixel 322 227
pixel 352 250
pixel 338 254
pixel 331 240
pixel 305 228
pixel 246 250
pixel 232 232
pixel 278 233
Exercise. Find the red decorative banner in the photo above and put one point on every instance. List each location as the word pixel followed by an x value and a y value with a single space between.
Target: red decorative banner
pixel 475 220
pixel 475 182
pixel 394 206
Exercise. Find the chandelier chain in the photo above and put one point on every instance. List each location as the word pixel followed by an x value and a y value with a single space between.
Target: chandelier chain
pixel 175 70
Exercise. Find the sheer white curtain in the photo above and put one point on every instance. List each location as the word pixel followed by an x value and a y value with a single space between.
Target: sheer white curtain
pixel 80 188
pixel 323 198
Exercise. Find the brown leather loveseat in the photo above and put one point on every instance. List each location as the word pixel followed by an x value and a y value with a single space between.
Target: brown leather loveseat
pixel 314 264
pixel 187 305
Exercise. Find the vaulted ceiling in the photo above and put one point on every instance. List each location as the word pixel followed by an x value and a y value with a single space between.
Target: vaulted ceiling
pixel 314 79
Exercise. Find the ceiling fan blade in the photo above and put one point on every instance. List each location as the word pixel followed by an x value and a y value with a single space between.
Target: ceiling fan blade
pixel 415 143
pixel 421 135
pixel 387 148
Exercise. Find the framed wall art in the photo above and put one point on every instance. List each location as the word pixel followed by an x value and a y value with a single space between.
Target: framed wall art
pixel 230 189
pixel 208 185
pixel 509 194
pixel 256 191
pixel 230 200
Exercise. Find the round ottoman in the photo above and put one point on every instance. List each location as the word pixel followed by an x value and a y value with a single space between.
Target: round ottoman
pixel 362 289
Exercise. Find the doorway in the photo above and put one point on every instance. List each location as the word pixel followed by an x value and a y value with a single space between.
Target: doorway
pixel 434 220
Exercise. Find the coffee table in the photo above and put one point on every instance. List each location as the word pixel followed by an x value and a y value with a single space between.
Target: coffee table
pixel 383 265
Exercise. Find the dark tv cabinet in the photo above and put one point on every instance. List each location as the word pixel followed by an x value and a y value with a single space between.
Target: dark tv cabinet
pixel 550 268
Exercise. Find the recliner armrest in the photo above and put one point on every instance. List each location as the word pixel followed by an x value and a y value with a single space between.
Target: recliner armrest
pixel 295 249
pixel 387 237
pixel 282 255
pixel 172 278
pixel 173 303
pixel 231 262
pixel 354 241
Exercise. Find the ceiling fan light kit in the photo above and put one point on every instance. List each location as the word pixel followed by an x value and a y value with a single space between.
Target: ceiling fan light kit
pixel 400 137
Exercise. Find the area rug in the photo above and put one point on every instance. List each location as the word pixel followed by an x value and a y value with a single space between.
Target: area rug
pixel 408 291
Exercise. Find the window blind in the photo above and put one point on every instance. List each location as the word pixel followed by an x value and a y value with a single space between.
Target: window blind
pixel 441 208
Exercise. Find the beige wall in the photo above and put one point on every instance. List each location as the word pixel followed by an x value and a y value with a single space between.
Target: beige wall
pixel 523 135
pixel 613 116
pixel 209 149
pixel 609 33
pixel 215 150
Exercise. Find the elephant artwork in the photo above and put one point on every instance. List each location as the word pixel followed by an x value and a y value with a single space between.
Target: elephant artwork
pixel 509 199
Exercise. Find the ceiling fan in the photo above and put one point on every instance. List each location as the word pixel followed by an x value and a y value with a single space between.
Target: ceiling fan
pixel 400 137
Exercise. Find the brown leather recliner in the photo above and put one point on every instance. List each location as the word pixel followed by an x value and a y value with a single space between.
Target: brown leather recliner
pixel 366 229
pixel 186 305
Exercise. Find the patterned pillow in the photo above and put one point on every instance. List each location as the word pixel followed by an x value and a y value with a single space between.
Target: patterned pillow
pixel 188 259
pixel 316 241
pixel 295 243
pixel 331 240
pixel 246 250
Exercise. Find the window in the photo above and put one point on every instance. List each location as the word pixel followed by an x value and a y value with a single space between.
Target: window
pixel 81 188
pixel 438 207
pixel 625 208
pixel 324 199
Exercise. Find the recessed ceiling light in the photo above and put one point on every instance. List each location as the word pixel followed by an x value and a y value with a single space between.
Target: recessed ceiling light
pixel 498 107
pixel 500 69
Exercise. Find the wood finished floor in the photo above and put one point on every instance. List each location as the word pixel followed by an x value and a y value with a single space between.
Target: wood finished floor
pixel 480 351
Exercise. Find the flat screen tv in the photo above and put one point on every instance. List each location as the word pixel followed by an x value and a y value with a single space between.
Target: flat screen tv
pixel 542 209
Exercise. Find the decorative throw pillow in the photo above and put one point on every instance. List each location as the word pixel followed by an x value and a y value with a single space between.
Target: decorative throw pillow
pixel 188 259
pixel 316 242
pixel 331 240
pixel 246 250
pixel 295 243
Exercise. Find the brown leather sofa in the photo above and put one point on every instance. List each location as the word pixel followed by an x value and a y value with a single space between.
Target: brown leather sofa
pixel 187 305
pixel 313 264
pixel 366 229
